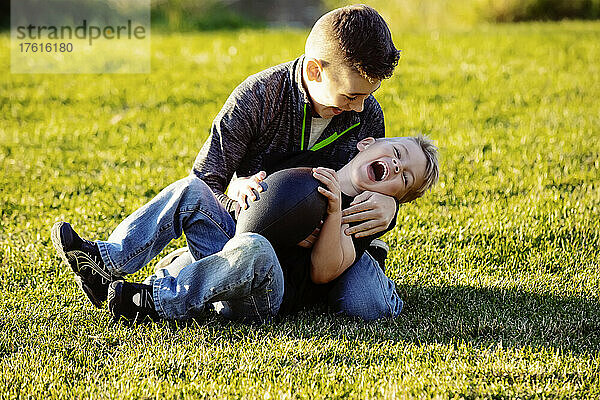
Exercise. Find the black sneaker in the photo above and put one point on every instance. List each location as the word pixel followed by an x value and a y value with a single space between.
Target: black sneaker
pixel 131 301
pixel 83 257
pixel 379 250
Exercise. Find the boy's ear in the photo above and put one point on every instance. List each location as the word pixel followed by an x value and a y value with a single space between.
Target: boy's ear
pixel 366 142
pixel 314 69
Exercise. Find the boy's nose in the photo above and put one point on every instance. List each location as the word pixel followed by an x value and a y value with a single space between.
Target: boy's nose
pixel 357 105
pixel 396 165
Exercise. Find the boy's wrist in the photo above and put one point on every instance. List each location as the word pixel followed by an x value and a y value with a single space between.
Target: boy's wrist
pixel 335 214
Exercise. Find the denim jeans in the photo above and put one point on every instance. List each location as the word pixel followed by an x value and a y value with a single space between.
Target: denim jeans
pixel 241 273
pixel 364 291
pixel 243 281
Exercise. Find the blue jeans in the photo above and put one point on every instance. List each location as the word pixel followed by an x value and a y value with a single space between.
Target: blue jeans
pixel 240 273
pixel 364 291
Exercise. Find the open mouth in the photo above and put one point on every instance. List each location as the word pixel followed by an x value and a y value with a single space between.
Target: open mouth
pixel 380 170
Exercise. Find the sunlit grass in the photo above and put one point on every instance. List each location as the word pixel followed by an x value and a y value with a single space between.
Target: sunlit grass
pixel 499 266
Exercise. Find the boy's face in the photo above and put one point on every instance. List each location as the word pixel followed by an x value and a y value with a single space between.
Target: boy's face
pixel 393 167
pixel 334 90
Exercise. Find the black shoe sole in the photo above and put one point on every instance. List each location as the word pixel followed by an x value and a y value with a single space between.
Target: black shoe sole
pixel 115 294
pixel 58 245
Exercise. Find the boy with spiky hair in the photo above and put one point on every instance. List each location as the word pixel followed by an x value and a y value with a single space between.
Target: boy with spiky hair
pixel 319 105
pixel 321 102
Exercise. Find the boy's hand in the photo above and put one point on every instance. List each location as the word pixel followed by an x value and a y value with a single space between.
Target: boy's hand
pixel 333 192
pixel 312 238
pixel 242 189
pixel 377 210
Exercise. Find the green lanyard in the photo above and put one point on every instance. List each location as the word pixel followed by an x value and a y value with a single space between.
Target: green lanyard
pixel 324 142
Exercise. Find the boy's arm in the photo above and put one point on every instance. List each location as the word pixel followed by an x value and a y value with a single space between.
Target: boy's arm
pixel 333 251
pixel 233 129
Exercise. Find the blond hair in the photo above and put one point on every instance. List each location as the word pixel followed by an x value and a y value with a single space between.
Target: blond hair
pixel 431 169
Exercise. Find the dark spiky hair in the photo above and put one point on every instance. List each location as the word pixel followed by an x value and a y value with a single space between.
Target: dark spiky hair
pixel 365 41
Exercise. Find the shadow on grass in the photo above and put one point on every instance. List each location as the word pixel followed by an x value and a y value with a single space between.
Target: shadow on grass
pixel 450 314
pixel 513 317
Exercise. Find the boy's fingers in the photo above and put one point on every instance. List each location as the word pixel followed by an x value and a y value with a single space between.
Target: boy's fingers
pixel 255 183
pixel 329 181
pixel 305 244
pixel 322 178
pixel 326 193
pixel 368 232
pixel 242 201
pixel 260 175
pixel 357 208
pixel 324 171
pixel 367 228
pixel 334 180
pixel 361 198
pixel 326 190
pixel 367 215
pixel 252 184
pixel 329 170
pixel 311 239
pixel 329 173
pixel 247 193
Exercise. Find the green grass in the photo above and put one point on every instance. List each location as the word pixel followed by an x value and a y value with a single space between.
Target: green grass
pixel 499 266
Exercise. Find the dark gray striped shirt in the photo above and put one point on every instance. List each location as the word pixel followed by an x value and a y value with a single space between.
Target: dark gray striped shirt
pixel 265 117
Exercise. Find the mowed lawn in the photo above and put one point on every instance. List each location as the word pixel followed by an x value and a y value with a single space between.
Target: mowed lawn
pixel 499 266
